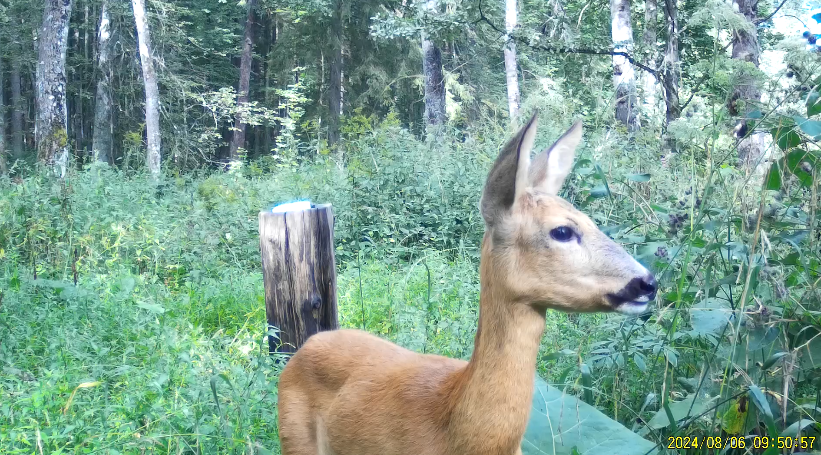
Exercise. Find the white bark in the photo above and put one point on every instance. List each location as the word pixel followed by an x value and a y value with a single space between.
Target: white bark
pixel 751 149
pixel 650 37
pixel 152 93
pixel 670 67
pixel 50 128
pixel 102 142
pixel 624 77
pixel 511 69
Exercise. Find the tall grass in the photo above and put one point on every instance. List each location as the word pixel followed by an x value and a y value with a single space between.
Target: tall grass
pixel 159 345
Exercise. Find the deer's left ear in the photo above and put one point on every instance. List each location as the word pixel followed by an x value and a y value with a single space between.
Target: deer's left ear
pixel 550 168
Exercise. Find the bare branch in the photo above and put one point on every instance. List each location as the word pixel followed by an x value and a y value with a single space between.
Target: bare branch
pixel 564 50
pixel 760 21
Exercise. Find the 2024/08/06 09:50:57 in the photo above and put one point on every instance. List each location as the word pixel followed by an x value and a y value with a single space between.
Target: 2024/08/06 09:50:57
pixel 740 442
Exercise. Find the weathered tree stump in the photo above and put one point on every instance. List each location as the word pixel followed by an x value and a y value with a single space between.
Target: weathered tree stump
pixel 299 274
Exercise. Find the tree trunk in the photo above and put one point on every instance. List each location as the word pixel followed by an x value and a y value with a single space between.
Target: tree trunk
pixel 671 63
pixel 85 124
pixel 50 135
pixel 624 77
pixel 103 140
pixel 238 139
pixel 17 110
pixel 152 92
pixel 745 48
pixel 650 39
pixel 269 99
pixel 746 94
pixel 78 73
pixel 3 165
pixel 335 82
pixel 511 70
pixel 435 113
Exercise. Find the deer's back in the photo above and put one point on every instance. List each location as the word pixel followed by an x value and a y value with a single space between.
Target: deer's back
pixel 369 396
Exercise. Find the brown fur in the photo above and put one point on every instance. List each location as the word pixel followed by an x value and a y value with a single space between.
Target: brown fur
pixel 347 392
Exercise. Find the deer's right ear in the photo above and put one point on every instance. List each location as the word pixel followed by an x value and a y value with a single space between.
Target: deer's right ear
pixel 509 176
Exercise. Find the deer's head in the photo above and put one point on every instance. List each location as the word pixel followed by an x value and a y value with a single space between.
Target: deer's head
pixel 542 250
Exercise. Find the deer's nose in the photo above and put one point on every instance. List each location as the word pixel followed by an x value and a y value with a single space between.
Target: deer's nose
pixel 648 286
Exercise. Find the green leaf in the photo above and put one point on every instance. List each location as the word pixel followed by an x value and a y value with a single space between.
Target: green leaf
pixel 785 137
pixel 151 307
pixel 773 358
pixel 670 418
pixel 680 410
pixel 733 419
pixel 603 178
pixel 639 177
pixel 810 355
pixel 793 430
pixel 640 363
pixel 214 393
pixel 560 423
pixel 558 355
pixel 811 128
pixel 813 103
pixel 600 191
pixel 796 157
pixel 587 382
pixel 709 316
pixel 760 401
pixel 800 163
pixel 648 400
pixel 774 178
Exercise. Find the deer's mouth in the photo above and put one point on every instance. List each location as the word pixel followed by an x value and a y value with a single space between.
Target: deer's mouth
pixel 632 307
pixel 634 297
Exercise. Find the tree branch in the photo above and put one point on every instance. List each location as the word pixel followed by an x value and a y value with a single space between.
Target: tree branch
pixel 760 21
pixel 561 50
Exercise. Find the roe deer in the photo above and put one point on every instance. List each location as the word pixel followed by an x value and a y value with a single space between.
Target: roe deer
pixel 347 392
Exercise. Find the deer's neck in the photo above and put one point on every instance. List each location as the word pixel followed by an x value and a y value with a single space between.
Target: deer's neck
pixel 493 393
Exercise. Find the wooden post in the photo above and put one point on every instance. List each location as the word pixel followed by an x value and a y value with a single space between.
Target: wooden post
pixel 299 274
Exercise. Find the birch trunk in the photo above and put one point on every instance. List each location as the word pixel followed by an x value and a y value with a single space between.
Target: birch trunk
pixel 624 77
pixel 17 111
pixel 746 94
pixel 511 69
pixel 246 59
pixel 435 113
pixel 335 82
pixel 50 128
pixel 77 73
pixel 671 63
pixel 103 139
pixel 650 38
pixel 152 93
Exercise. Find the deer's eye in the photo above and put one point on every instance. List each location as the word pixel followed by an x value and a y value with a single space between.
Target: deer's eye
pixel 562 234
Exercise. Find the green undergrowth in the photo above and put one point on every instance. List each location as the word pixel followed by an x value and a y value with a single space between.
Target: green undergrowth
pixel 159 346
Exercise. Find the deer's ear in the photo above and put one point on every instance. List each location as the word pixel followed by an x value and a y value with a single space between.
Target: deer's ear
pixel 509 176
pixel 550 168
